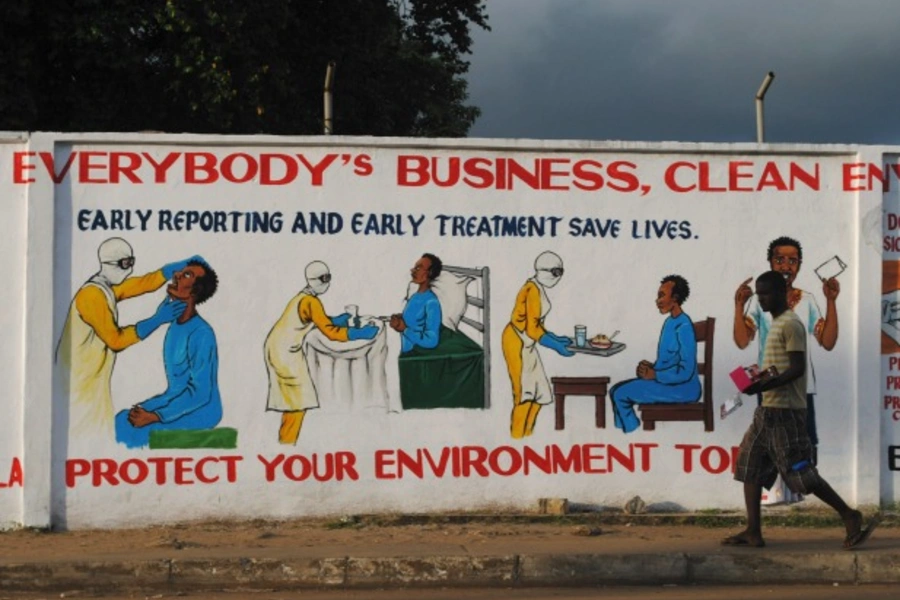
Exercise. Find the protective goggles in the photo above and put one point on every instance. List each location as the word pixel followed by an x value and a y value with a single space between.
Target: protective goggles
pixel 324 278
pixel 555 271
pixel 122 263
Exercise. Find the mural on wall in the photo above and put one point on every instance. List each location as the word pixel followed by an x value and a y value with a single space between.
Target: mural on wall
pixel 439 365
pixel 521 337
pixel 359 284
pixel 303 332
pixel 92 337
pixel 785 256
pixel 672 378
pixel 186 413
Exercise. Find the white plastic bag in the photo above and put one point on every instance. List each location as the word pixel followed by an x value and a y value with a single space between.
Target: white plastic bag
pixel 780 494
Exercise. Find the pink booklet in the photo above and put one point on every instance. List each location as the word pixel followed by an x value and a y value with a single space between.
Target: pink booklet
pixel 744 377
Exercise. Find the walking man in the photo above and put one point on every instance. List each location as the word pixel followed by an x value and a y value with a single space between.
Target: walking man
pixel 777 440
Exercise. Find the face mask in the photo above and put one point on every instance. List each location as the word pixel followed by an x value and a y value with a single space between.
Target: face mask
pixel 318 278
pixel 116 260
pixel 548 269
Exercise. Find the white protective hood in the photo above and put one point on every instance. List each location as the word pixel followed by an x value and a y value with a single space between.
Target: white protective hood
pixel 110 253
pixel 314 273
pixel 545 263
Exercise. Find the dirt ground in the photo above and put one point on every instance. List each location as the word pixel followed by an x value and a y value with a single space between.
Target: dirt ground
pixel 334 538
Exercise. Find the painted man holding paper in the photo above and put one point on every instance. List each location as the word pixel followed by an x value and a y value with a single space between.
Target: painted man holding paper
pixel 785 256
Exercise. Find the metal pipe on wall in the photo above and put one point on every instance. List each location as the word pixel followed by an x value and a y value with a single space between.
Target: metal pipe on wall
pixel 760 95
pixel 329 84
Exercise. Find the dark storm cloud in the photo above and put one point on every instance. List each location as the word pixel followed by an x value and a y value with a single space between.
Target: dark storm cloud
pixel 688 70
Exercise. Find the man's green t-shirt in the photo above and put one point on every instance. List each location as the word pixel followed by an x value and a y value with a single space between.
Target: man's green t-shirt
pixel 786 334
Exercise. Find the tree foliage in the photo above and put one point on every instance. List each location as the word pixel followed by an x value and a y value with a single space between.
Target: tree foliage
pixel 230 66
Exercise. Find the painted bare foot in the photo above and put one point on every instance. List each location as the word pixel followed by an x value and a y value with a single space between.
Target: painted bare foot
pixel 745 538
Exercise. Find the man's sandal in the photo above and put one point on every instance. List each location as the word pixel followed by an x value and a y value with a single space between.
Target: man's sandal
pixel 861 535
pixel 741 540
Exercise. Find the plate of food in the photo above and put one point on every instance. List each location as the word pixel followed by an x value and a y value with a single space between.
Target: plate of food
pixel 600 345
pixel 600 341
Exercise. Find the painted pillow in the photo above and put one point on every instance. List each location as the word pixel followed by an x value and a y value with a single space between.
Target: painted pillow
pixel 450 290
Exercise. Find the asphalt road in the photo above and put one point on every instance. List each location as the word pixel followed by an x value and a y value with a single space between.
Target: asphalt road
pixel 819 592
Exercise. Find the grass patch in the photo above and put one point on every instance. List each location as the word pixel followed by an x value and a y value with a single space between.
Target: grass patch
pixel 346 522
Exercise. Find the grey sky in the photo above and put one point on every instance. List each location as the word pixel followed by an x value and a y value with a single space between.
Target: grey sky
pixel 688 70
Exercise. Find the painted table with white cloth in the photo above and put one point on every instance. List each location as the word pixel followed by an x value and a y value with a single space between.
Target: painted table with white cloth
pixel 349 375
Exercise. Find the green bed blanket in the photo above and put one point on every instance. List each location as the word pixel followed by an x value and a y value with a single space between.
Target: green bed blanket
pixel 451 375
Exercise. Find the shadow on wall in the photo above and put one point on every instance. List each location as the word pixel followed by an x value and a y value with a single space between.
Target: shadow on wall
pixel 63 218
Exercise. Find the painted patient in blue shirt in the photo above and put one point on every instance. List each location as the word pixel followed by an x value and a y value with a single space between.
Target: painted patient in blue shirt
pixel 191 399
pixel 420 323
pixel 673 377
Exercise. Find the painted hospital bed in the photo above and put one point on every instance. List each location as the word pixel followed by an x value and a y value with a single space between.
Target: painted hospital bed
pixel 456 373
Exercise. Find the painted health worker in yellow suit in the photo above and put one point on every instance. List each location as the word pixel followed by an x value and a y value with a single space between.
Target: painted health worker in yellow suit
pixel 291 388
pixel 92 337
pixel 525 331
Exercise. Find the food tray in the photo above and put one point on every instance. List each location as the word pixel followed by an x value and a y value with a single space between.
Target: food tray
pixel 614 349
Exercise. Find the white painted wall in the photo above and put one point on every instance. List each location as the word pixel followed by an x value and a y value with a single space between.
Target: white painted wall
pixel 12 296
pixel 609 284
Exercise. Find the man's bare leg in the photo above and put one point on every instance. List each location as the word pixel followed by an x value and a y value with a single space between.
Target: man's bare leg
pixel 853 519
pixel 752 535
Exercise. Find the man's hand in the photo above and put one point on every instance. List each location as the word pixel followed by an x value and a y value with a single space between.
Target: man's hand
pixel 170 269
pixel 743 292
pixel 564 340
pixel 342 320
pixel 558 344
pixel 139 417
pixel 645 370
pixel 753 389
pixel 397 323
pixel 831 288
pixel 362 333
pixel 168 310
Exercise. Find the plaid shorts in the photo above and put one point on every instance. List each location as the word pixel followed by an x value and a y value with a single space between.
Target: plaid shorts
pixel 776 440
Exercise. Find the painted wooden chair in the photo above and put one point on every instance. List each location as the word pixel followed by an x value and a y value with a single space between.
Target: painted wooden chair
pixel 701 410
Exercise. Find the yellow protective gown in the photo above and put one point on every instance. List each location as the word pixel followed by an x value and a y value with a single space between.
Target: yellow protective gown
pixel 87 349
pixel 526 371
pixel 290 386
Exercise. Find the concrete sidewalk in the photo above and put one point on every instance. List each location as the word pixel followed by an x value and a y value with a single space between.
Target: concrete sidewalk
pixel 445 550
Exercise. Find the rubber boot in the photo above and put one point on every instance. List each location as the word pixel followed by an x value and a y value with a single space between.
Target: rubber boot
pixel 291 422
pixel 519 420
pixel 533 411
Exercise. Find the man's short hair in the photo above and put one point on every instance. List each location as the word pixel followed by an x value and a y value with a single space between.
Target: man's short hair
pixel 776 280
pixel 784 241
pixel 681 289
pixel 436 266
pixel 205 286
